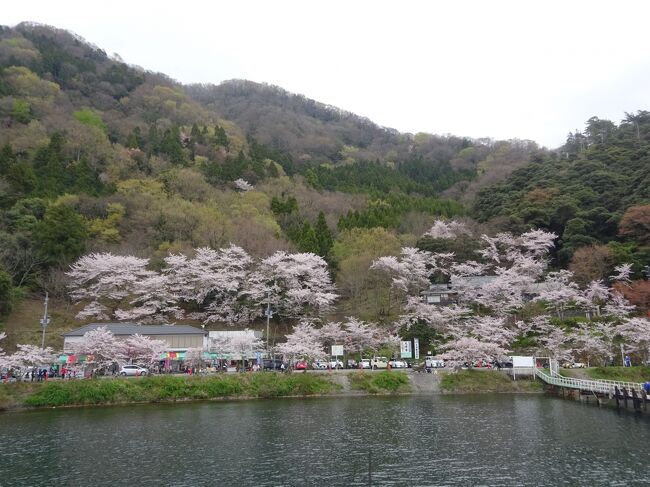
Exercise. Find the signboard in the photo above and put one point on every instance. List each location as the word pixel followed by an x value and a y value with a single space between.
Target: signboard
pixel 337 350
pixel 523 361
pixel 405 349
pixel 416 348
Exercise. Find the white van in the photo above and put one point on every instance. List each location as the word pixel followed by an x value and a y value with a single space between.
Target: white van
pixel 379 362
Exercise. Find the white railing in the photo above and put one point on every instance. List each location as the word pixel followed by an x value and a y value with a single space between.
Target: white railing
pixel 602 386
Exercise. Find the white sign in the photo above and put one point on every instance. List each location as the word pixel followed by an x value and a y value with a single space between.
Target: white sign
pixel 416 346
pixel 337 350
pixel 523 361
pixel 405 349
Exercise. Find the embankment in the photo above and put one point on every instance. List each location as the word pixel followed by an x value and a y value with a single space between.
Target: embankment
pixel 110 391
pixel 58 393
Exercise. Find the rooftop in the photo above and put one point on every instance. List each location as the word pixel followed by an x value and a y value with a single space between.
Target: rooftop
pixel 133 328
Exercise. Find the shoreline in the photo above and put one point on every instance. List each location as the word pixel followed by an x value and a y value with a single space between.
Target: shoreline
pixel 58 394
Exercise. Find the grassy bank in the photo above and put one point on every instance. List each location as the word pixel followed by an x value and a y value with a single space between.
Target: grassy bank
pixel 379 382
pixel 625 374
pixel 161 388
pixel 486 381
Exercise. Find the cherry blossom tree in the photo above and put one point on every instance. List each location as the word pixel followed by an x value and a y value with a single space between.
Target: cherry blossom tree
pixel 559 292
pixel 594 296
pixel 193 357
pixel 303 342
pixel 243 185
pixel 618 306
pixel 139 348
pixel 410 272
pixel 331 333
pixel 296 285
pixel 153 299
pixel 437 317
pixel 623 273
pixel 551 340
pixel 636 334
pixel 242 344
pixel 3 356
pixel 102 345
pixel 105 279
pixel 447 230
pixel 593 342
pixel 31 356
pixel 214 280
pixel 486 337
pixel 360 335
pixel 468 349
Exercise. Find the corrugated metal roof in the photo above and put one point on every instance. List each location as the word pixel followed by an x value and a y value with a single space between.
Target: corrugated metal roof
pixel 132 329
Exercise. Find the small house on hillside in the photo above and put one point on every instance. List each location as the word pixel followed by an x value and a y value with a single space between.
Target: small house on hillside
pixel 446 294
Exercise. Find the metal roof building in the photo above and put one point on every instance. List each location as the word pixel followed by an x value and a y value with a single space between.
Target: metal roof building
pixel 178 337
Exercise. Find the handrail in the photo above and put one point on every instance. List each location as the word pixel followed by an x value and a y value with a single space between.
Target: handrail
pixel 603 386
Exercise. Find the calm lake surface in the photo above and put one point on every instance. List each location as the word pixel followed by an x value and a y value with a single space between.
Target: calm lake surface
pixel 432 440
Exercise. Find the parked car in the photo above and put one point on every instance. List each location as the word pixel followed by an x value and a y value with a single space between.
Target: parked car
pixel 272 364
pixel 352 364
pixel 336 364
pixel 434 363
pixel 320 365
pixel 365 363
pixel 133 370
pixel 301 365
pixel 397 364
pixel 379 362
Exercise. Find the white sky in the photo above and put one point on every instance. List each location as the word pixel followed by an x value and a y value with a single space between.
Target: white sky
pixel 504 69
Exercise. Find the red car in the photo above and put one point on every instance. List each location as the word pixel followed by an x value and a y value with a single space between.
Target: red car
pixel 301 365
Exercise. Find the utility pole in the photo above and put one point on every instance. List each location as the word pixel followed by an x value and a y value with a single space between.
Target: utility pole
pixel 622 356
pixel 269 314
pixel 44 322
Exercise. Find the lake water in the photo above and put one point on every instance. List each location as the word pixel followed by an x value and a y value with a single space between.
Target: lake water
pixel 410 440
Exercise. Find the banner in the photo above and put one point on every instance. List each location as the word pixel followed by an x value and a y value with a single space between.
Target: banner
pixel 416 347
pixel 405 349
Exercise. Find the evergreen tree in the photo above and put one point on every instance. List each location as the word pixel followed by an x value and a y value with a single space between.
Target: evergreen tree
pixel 153 142
pixel 61 235
pixel 6 291
pixel 308 242
pixel 135 139
pixel 323 236
pixel 171 146
pixel 7 158
pixel 220 137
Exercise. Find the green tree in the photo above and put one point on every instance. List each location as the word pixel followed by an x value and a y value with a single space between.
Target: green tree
pixel 6 292
pixel 307 241
pixel 7 158
pixel 220 137
pixel 88 116
pixel 171 146
pixel 61 235
pixel 324 236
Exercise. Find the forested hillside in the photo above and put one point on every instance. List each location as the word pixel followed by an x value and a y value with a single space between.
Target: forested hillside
pixel 594 192
pixel 97 155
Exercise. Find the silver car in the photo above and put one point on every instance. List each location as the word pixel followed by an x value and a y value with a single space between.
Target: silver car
pixel 397 364
pixel 133 370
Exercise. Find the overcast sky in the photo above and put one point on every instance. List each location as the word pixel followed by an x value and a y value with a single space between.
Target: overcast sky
pixel 503 69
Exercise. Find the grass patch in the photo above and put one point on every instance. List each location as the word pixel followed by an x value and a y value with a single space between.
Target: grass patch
pixel 376 382
pixel 486 381
pixel 624 374
pixel 161 388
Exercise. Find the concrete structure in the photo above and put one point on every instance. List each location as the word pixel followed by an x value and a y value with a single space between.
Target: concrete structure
pixel 178 337
pixel 444 294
